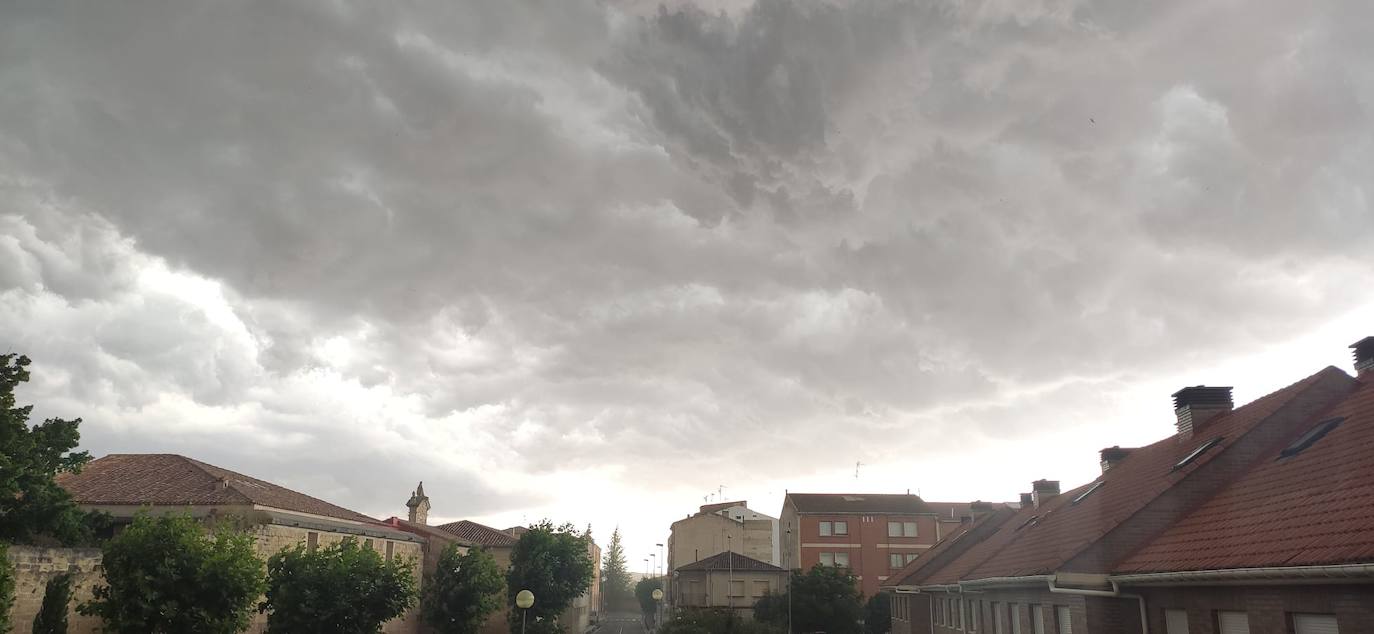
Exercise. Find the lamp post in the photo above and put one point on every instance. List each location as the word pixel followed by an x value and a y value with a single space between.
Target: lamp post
pixel 524 600
pixel 658 607
pixel 789 585
pixel 662 569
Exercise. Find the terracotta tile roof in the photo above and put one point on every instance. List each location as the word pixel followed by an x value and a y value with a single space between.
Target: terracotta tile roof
pixel 173 480
pixel 951 546
pixel 844 503
pixel 1041 541
pixel 1312 508
pixel 730 561
pixel 479 534
pixel 712 508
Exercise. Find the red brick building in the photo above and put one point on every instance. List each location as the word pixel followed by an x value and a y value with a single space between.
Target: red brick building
pixel 1258 519
pixel 872 534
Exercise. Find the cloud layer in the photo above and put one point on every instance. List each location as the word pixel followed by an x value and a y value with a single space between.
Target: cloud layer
pixel 537 252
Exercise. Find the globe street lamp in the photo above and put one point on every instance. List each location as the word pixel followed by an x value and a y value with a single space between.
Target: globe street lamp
pixel 524 600
pixel 658 606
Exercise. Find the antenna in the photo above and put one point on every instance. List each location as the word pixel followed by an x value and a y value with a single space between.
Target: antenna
pixel 856 469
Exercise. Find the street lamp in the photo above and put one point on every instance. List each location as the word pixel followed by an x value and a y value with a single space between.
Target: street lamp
pixel 789 585
pixel 524 600
pixel 658 607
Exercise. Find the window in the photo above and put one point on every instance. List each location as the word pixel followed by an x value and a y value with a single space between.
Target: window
pixel 1038 619
pixel 1015 615
pixel 1312 436
pixel 841 528
pixel 1315 624
pixel 1084 495
pixel 826 529
pixel 312 540
pixel 367 543
pixel 939 608
pixel 910 557
pixel 895 561
pixel 827 559
pixel 390 548
pixel 737 588
pixel 894 529
pixel 1175 622
pixel 959 613
pixel 1233 623
pixel 1202 449
pixel 972 619
pixel 760 588
pixel 999 619
pixel 842 560
pixel 908 529
pixel 1063 619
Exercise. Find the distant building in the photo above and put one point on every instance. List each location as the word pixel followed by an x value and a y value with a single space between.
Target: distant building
pixel 871 534
pixel 1249 519
pixel 726 580
pixel 125 484
pixel 716 528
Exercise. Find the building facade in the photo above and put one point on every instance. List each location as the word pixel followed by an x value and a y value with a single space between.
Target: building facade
pixel 1246 520
pixel 726 580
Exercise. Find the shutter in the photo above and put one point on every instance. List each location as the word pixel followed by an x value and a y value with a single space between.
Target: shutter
pixel 1315 624
pixel 1065 618
pixel 1176 622
pixel 1233 623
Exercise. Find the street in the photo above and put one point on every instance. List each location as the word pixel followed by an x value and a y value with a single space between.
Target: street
pixel 622 623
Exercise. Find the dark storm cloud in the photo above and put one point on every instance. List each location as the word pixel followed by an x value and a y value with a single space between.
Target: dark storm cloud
pixel 485 238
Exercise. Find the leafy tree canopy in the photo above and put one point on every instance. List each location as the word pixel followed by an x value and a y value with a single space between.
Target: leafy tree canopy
pixel 32 507
pixel 714 621
pixel 615 575
pixel 167 575
pixel 878 614
pixel 6 588
pixel 465 589
pixel 555 564
pixel 343 588
pixel 644 593
pixel 826 599
pixel 52 616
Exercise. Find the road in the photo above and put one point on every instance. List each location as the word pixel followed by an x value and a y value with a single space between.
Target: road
pixel 621 623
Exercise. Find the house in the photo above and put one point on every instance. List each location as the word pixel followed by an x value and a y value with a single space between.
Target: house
pixel 124 485
pixel 1251 519
pixel 872 534
pixel 726 580
pixel 717 528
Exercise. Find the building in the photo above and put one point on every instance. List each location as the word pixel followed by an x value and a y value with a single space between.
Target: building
pixel 726 580
pixel 586 609
pixel 717 528
pixel 871 534
pixel 466 534
pixel 1249 519
pixel 124 485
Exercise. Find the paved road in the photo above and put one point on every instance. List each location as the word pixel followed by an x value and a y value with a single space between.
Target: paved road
pixel 622 623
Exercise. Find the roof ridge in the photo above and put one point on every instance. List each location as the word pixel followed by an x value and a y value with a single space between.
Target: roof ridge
pixel 201 467
pixel 248 497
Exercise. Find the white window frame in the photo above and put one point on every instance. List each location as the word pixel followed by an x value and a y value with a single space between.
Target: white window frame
pixel 829 556
pixel 838 563
pixel 894 529
pixel 841 528
pixel 827 529
pixel 894 561
pixel 1038 619
pixel 1063 619
pixel 1015 613
pixel 999 618
pixel 910 529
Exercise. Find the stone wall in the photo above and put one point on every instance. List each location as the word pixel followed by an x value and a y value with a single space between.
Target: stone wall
pixel 34 566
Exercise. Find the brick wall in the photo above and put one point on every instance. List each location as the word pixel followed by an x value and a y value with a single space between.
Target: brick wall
pixel 34 566
pixel 1269 608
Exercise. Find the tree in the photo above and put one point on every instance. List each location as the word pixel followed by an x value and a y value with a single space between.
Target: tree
pixel 6 588
pixel 343 588
pixel 52 616
pixel 615 576
pixel 714 621
pixel 464 590
pixel 556 565
pixel 878 614
pixel 33 507
pixel 826 599
pixel 644 593
pixel 167 574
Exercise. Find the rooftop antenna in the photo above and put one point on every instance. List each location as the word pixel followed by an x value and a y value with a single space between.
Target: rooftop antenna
pixel 856 469
pixel 721 490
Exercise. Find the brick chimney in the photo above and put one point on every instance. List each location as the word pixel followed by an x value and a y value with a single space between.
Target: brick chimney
pixel 1026 500
pixel 1043 490
pixel 1112 456
pixel 979 508
pixel 1194 406
pixel 419 505
pixel 1364 356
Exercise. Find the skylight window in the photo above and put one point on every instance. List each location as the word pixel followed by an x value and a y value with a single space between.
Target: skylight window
pixel 1084 495
pixel 1311 437
pixel 1033 519
pixel 1202 449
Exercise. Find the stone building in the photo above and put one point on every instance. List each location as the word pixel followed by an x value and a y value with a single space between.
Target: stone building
pixel 125 484
pixel 726 580
pixel 1254 519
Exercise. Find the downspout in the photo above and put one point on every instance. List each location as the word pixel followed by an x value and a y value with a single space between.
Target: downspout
pixel 1115 592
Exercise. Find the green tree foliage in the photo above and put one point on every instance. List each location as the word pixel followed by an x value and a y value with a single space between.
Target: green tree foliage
pixel 32 507
pixel 465 589
pixel 714 621
pixel 167 575
pixel 644 593
pixel 826 599
pixel 615 576
pixel 52 616
pixel 878 614
pixel 555 564
pixel 343 588
pixel 6 588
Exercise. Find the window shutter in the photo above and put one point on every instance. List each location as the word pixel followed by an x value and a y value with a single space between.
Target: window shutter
pixel 1064 617
pixel 1233 623
pixel 1175 622
pixel 1315 624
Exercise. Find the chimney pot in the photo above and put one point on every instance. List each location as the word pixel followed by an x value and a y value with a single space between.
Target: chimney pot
pixel 1042 490
pixel 1194 406
pixel 1364 356
pixel 1112 456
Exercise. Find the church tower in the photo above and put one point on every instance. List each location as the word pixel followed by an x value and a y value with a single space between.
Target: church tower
pixel 419 505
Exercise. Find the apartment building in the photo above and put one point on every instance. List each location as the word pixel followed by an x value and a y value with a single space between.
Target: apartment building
pixel 722 527
pixel 1255 519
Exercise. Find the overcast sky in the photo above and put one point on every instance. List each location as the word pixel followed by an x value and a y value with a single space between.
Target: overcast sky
pixel 596 260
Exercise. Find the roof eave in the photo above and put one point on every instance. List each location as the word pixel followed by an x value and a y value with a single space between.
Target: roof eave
pixel 1339 573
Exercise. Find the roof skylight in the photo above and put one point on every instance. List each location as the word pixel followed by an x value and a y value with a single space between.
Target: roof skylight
pixel 1202 449
pixel 1311 437
pixel 1084 495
